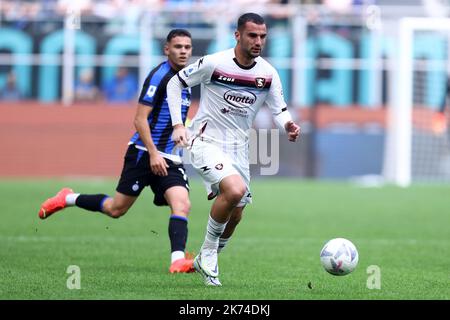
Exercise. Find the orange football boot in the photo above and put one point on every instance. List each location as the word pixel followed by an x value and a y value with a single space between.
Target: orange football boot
pixel 182 265
pixel 54 204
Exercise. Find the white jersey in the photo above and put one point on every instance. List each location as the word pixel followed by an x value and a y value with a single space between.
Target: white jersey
pixel 231 96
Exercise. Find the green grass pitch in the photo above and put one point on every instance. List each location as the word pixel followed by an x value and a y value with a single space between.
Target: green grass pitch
pixel 273 255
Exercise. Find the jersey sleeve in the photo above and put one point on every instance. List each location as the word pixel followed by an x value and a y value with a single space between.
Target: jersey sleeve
pixel 198 72
pixel 152 91
pixel 275 99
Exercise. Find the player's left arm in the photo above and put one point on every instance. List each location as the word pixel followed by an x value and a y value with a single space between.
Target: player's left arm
pixel 293 130
pixel 174 89
pixel 282 117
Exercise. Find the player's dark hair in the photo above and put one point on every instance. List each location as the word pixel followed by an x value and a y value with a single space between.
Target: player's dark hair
pixel 249 17
pixel 178 33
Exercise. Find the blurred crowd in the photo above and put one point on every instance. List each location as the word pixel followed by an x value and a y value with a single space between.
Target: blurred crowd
pixel 31 10
pixel 12 9
pixel 39 9
pixel 181 13
pixel 123 16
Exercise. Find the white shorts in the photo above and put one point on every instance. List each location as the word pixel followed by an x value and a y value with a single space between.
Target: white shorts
pixel 213 164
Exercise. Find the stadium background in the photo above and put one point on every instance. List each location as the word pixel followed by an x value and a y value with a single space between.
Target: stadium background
pixel 335 60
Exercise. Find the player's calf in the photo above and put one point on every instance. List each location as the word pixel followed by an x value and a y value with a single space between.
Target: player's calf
pixel 117 206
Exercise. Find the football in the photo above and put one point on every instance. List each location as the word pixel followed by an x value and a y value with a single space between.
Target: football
pixel 339 257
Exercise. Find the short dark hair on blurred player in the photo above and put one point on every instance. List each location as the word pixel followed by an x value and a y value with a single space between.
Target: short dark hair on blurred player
pixel 249 17
pixel 177 33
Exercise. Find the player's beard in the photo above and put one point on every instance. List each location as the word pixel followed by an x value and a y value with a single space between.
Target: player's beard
pixel 254 53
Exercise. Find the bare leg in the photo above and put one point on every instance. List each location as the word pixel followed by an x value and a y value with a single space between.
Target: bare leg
pixel 178 200
pixel 236 216
pixel 117 206
pixel 232 189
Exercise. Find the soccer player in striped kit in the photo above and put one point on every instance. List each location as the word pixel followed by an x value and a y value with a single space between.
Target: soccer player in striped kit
pixel 151 159
pixel 235 83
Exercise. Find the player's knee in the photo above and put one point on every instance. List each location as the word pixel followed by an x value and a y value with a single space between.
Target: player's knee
pixel 117 212
pixel 182 207
pixel 235 193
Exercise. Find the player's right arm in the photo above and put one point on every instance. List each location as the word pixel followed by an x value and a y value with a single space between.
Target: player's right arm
pixel 158 164
pixel 174 89
pixel 192 75
pixel 151 97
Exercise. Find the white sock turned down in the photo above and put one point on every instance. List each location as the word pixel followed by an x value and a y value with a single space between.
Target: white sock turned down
pixel 71 198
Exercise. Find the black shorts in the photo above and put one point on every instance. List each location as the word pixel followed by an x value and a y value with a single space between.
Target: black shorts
pixel 137 174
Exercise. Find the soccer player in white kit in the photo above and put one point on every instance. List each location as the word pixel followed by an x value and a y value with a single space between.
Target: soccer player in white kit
pixel 235 83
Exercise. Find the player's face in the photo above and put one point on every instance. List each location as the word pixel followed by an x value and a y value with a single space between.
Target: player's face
pixel 178 50
pixel 252 39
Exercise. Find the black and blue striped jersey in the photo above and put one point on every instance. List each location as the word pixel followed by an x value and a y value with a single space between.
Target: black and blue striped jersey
pixel 154 94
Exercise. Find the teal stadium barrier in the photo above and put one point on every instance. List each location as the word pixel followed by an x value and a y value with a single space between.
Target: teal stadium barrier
pixel 280 45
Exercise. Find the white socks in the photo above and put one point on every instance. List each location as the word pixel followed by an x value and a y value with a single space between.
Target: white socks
pixel 176 255
pixel 213 232
pixel 222 243
pixel 71 198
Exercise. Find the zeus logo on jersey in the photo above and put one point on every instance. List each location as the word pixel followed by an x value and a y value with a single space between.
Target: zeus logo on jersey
pixel 227 79
pixel 239 98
